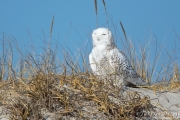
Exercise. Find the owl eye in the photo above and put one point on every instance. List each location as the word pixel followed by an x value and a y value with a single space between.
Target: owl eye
pixel 103 34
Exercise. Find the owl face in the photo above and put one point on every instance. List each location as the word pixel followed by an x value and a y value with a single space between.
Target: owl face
pixel 102 36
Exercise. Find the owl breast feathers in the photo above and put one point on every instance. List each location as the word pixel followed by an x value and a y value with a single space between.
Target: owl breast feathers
pixel 106 59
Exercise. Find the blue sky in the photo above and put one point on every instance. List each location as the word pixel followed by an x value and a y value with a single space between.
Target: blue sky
pixel 140 18
pixel 74 21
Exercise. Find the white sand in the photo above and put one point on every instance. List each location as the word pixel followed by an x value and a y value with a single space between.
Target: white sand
pixel 167 101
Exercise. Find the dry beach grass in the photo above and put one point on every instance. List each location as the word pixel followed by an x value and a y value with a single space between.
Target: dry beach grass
pixel 40 87
pixel 35 90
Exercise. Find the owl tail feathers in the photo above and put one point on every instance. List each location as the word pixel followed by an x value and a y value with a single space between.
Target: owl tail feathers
pixel 139 83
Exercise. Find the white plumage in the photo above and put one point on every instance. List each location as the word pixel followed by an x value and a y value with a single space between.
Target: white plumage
pixel 106 60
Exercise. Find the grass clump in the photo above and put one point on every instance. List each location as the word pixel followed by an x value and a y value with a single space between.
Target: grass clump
pixel 40 87
pixel 35 90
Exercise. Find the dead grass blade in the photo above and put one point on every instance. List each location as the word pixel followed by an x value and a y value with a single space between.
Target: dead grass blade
pixel 52 24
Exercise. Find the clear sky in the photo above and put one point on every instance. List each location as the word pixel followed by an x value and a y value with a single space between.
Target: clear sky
pixel 74 20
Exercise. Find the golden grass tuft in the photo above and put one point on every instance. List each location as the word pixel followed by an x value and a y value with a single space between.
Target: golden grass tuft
pixel 69 95
pixel 35 87
pixel 73 93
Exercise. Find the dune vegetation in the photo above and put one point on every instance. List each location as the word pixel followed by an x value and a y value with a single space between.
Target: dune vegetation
pixel 40 86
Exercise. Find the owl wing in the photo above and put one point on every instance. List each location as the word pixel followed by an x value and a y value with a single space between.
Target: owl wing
pixel 124 67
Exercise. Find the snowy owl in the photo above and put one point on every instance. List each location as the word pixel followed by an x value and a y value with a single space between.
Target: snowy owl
pixel 106 59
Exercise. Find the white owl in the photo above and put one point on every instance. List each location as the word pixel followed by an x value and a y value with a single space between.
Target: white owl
pixel 105 59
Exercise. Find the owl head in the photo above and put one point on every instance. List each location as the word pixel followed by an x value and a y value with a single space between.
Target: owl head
pixel 102 36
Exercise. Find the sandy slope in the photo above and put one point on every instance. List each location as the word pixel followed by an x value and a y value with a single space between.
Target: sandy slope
pixel 166 106
pixel 167 102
